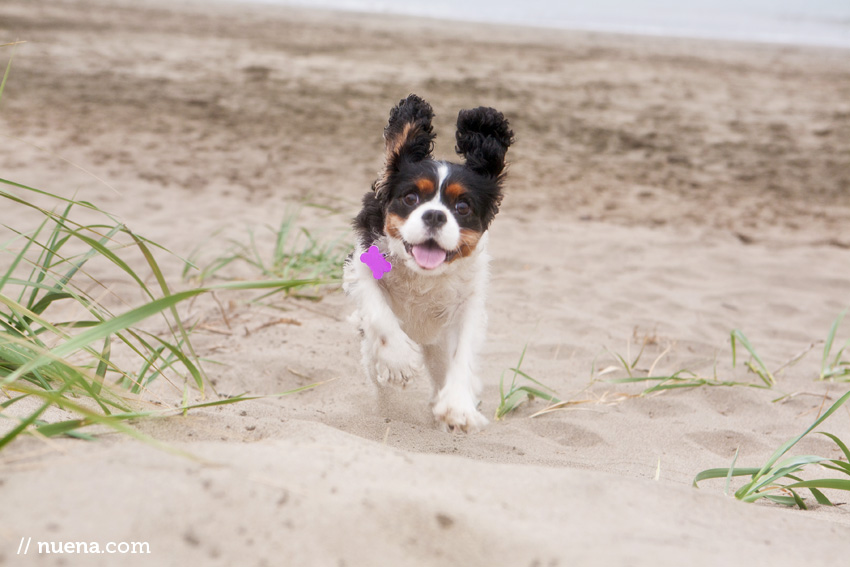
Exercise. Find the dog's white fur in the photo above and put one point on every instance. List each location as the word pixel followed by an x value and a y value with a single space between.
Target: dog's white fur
pixel 412 320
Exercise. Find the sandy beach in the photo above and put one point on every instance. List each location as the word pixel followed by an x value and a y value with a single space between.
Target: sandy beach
pixel 661 193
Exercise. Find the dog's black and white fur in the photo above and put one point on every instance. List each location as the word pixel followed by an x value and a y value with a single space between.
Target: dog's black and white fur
pixel 430 219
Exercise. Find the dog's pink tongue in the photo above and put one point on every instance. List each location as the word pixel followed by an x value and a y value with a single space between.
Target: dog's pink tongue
pixel 428 257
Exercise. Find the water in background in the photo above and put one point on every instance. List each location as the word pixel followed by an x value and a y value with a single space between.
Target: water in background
pixel 814 22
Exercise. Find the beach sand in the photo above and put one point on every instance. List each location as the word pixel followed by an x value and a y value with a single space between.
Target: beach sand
pixel 661 193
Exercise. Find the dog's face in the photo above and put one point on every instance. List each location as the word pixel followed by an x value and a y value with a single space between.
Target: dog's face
pixel 435 212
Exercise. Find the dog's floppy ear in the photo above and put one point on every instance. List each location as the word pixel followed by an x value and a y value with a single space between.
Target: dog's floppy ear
pixel 483 138
pixel 408 136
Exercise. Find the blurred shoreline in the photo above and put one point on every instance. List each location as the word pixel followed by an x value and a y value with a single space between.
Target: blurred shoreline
pixel 824 23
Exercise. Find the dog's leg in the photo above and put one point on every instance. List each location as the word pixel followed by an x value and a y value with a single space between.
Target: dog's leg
pixel 456 399
pixel 388 354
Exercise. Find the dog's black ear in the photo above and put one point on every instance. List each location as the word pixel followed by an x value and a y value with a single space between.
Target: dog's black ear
pixel 483 138
pixel 408 134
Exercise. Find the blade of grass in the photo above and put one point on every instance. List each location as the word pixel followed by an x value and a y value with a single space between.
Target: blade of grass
pixel 722 473
pixel 24 424
pixel 527 377
pixel 762 371
pixel 840 443
pixel 102 365
pixel 731 468
pixel 826 368
pixel 112 326
pixel 764 480
pixel 787 446
pixel 8 67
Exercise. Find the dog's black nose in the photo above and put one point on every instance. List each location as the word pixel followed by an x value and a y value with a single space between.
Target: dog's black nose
pixel 434 218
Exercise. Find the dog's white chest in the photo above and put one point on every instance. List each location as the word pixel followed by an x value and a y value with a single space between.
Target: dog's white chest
pixel 426 306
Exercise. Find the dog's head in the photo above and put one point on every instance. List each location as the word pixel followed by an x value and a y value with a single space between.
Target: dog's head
pixel 435 212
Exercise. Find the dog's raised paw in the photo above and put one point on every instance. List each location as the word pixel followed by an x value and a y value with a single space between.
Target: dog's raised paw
pixel 394 376
pixel 397 360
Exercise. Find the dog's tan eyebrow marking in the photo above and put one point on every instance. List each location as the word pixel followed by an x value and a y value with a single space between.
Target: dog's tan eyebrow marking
pixel 425 185
pixel 455 190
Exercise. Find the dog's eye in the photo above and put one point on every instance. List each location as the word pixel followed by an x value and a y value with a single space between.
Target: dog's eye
pixel 411 199
pixel 463 208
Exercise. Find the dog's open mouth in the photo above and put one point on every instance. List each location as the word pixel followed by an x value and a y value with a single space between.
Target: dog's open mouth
pixel 428 255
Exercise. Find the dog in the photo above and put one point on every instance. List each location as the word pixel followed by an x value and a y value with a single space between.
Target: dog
pixel 428 221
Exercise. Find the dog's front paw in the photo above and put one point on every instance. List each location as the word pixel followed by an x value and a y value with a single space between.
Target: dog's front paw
pixel 455 410
pixel 397 360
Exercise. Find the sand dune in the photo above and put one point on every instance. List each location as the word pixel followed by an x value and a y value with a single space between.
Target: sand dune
pixel 661 192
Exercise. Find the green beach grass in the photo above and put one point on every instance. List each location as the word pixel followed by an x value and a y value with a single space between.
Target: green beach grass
pixel 61 324
pixel 778 479
pixel 521 389
pixel 67 363
pixel 835 366
pixel 297 253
